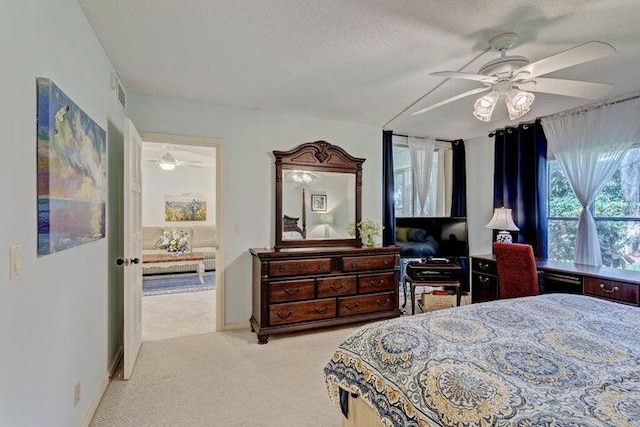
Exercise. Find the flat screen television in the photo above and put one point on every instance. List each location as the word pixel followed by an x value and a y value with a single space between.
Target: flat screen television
pixel 432 236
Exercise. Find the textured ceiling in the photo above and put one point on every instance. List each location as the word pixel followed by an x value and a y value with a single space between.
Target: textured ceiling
pixel 362 61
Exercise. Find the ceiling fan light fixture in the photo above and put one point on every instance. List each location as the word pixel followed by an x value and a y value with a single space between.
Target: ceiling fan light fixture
pixel 518 103
pixel 484 106
pixel 167 162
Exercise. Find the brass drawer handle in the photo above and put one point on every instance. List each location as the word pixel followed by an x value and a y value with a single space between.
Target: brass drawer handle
pixel 609 291
pixel 385 302
pixel 292 292
pixel 284 316
pixel 483 279
pixel 281 268
pixel 377 284
pixel 320 266
pixel 321 310
pixel 353 307
pixel 335 288
pixel 483 266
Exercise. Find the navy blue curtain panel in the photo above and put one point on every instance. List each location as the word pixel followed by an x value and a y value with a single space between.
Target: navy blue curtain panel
pixel 459 186
pixel 388 213
pixel 520 182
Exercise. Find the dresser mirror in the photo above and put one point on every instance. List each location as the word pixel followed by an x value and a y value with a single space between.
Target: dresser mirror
pixel 318 196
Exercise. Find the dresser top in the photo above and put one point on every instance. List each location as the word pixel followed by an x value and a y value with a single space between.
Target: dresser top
pixel 329 251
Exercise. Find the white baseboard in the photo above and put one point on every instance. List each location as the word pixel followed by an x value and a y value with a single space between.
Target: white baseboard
pixel 103 387
pixel 96 401
pixel 236 325
pixel 115 361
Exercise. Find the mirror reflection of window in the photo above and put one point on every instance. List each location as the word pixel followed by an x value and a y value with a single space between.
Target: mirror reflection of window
pixel 440 192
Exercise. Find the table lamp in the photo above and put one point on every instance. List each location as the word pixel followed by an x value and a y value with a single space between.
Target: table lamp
pixel 502 221
pixel 327 220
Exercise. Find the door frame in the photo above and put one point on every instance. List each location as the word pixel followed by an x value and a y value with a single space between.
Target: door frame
pixel 216 143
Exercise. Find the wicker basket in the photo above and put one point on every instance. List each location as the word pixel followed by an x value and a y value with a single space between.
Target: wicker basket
pixel 434 301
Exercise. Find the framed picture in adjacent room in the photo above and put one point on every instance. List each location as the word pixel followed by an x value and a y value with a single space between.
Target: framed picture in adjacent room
pixel 185 207
pixel 318 202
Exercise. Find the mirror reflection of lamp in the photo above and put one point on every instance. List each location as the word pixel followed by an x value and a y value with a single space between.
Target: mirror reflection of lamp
pixel 302 178
pixel 326 219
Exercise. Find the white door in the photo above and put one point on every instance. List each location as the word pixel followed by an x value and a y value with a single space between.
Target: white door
pixel 132 247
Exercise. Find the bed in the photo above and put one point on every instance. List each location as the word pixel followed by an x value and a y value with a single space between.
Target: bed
pixel 548 360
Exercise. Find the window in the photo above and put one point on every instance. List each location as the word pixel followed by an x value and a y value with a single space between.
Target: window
pixel 405 196
pixel 616 211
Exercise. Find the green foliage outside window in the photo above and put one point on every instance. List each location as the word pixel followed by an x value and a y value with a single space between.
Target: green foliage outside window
pixel 616 211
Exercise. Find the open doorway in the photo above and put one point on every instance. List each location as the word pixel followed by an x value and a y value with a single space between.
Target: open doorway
pixel 180 240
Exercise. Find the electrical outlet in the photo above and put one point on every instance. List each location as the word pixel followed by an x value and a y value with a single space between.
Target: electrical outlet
pixel 76 394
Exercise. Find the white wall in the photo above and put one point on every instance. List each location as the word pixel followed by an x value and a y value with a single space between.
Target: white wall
pixel 53 318
pixel 479 155
pixel 157 183
pixel 249 137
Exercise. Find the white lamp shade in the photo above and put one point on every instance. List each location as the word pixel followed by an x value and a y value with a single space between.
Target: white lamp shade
pixel 502 220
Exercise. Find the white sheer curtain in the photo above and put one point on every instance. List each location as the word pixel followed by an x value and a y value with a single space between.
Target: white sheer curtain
pixel 589 145
pixel 421 152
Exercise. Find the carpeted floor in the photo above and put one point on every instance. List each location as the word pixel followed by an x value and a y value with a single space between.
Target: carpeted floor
pixel 226 379
pixel 161 284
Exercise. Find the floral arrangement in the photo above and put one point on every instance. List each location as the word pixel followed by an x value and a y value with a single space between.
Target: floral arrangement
pixel 368 229
pixel 174 241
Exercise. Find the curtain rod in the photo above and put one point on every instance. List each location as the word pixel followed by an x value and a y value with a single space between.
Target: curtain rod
pixel 580 109
pixel 423 137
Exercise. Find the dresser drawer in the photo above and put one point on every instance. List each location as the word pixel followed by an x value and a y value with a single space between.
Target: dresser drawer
pixel 349 306
pixel 299 267
pixel 336 286
pixel 291 290
pixel 377 282
pixel 484 266
pixel 610 289
pixel 361 263
pixel 280 314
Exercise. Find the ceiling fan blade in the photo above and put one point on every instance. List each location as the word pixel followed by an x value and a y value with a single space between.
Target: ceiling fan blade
pixel 454 98
pixel 578 55
pixel 575 88
pixel 467 76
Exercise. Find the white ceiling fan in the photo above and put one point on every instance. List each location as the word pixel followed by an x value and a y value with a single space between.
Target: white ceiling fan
pixel 169 162
pixel 514 78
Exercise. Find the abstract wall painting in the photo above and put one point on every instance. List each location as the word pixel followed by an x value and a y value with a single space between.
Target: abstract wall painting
pixel 185 207
pixel 72 174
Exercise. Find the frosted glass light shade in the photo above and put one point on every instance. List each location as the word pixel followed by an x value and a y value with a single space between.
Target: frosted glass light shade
pixel 518 103
pixel 167 162
pixel 484 106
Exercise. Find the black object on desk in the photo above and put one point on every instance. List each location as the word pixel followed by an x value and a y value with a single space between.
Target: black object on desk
pixel 436 272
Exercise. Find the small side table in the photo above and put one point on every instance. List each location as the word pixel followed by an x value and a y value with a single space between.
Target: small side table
pixel 414 283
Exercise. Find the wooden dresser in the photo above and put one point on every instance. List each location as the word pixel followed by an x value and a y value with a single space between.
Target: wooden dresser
pixel 301 289
pixel 609 283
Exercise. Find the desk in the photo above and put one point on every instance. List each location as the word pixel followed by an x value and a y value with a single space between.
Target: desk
pixel 614 284
pixel 414 283
pixel 169 260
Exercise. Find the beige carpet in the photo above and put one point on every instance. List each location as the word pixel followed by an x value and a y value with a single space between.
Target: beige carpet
pixel 226 380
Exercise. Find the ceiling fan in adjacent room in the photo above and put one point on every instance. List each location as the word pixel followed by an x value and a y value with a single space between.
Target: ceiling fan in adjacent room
pixel 169 162
pixel 513 78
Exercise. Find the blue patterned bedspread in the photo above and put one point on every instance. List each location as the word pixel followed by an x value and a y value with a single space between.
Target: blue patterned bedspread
pixel 549 360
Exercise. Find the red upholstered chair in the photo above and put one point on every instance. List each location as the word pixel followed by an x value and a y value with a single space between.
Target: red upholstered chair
pixel 517 273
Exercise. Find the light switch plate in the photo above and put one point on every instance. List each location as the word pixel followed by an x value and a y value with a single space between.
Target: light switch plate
pixel 15 261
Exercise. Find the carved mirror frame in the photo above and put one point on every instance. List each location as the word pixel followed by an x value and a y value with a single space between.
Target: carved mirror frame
pixel 318 156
